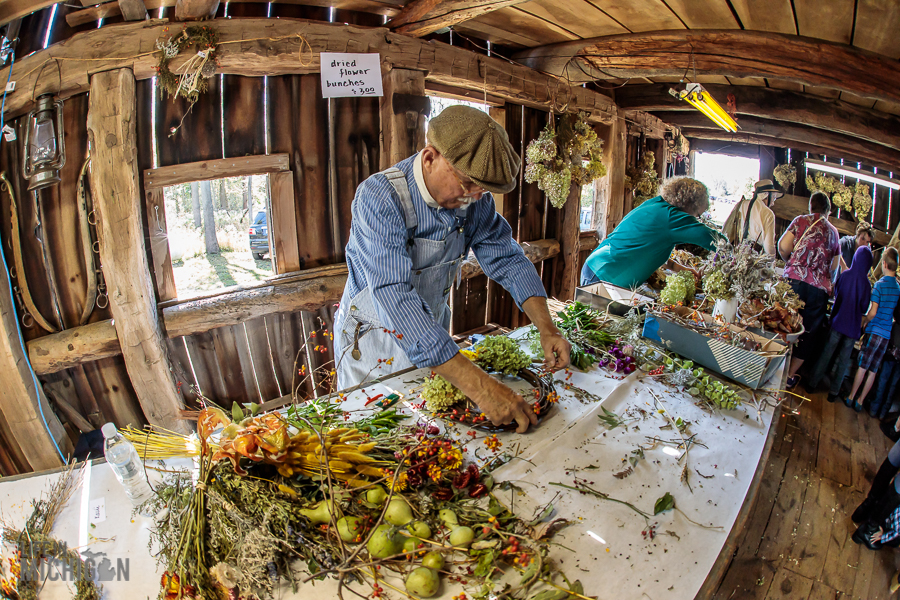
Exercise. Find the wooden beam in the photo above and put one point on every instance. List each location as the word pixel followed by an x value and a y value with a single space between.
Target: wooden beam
pixel 731 149
pixel 133 10
pixel 789 206
pixel 780 105
pixel 93 14
pixel 402 117
pixel 195 10
pixel 65 349
pixel 646 123
pixel 566 274
pixel 305 290
pixel 729 53
pixel 216 169
pixel 446 91
pixel 22 403
pixel 789 134
pixel 428 16
pixel 273 48
pixel 118 204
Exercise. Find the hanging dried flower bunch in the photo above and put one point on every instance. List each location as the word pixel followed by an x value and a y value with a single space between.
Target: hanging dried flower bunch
pixel 642 180
pixel 786 175
pixel 566 152
pixel 856 198
pixel 191 78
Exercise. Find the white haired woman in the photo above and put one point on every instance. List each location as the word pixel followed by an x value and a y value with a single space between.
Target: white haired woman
pixel 644 239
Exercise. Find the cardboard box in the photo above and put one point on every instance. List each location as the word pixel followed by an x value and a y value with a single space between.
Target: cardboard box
pixel 606 295
pixel 751 368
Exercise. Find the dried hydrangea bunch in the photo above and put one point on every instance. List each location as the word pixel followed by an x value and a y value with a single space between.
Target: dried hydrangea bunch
pixel 440 394
pixel 501 354
pixel 643 180
pixel 786 175
pixel 562 155
pixel 862 200
pixel 680 287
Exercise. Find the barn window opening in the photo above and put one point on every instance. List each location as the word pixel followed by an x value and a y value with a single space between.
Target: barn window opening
pixel 727 178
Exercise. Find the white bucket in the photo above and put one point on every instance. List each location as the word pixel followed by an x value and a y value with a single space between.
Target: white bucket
pixel 727 309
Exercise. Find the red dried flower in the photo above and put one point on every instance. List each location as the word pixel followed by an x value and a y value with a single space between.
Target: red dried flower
pixel 478 490
pixel 443 494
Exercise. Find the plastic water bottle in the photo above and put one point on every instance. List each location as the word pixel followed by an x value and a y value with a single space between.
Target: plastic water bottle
pixel 125 462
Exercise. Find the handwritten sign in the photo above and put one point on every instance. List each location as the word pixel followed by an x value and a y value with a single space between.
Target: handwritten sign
pixel 354 75
pixel 97 510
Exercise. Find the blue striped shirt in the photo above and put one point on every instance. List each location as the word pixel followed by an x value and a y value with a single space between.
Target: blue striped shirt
pixel 885 293
pixel 377 257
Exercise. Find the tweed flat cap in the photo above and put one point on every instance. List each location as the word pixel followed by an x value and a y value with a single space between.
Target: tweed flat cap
pixel 477 145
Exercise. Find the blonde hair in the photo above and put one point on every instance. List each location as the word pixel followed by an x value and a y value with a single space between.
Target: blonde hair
pixel 685 193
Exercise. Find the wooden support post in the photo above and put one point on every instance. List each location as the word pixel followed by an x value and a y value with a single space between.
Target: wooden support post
pixel 402 115
pixel 19 402
pixel 133 10
pixel 614 158
pixel 568 232
pixel 766 163
pixel 117 201
pixel 195 10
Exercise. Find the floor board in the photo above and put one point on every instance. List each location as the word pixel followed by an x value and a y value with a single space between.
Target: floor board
pixel 796 543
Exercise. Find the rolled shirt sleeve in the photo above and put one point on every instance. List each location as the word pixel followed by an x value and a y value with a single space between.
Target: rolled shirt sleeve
pixel 385 264
pixel 501 258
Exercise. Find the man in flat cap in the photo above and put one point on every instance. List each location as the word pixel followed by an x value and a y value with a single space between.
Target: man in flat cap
pixel 413 225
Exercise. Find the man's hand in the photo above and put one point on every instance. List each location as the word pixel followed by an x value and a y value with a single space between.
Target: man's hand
pixel 499 403
pixel 502 405
pixel 557 349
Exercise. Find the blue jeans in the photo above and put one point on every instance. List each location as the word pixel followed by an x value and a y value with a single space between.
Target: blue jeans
pixel 588 277
pixel 839 344
pixel 885 386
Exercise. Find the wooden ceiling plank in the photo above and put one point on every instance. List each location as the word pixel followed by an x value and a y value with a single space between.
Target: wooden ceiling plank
pixel 747 81
pixel 877 23
pixel 857 100
pixel 831 20
pixel 820 91
pixel 519 23
pixel 578 16
pixel 888 107
pixel 496 35
pixel 775 16
pixel 728 53
pixel 413 12
pixel 704 14
pixel 778 84
pixel 548 21
pixel 640 15
pixel 15 9
pixel 779 105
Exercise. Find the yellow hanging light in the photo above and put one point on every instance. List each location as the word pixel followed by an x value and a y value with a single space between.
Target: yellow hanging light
pixel 695 95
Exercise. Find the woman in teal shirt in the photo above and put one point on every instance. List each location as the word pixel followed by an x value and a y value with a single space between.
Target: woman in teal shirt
pixel 644 239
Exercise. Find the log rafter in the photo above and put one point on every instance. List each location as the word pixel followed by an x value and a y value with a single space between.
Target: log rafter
pixel 421 17
pixel 257 47
pixel 729 53
pixel 779 105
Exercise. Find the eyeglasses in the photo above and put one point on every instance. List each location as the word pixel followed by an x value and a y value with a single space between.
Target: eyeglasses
pixel 469 189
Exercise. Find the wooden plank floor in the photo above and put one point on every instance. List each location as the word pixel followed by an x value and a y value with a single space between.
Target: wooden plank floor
pixel 797 544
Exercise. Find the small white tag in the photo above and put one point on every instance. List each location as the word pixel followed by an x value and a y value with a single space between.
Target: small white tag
pixel 201 53
pixel 97 510
pixel 9 134
pixel 11 86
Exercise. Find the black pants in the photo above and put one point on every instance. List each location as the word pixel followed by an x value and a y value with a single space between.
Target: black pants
pixel 813 315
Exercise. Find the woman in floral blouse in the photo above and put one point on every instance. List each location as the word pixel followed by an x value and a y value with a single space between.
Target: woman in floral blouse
pixel 811 250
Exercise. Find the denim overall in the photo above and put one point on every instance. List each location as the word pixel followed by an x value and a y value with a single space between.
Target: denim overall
pixel 361 338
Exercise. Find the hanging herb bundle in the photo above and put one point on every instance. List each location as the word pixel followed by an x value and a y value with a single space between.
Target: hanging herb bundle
pixel 642 180
pixel 786 175
pixel 566 152
pixel 191 79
